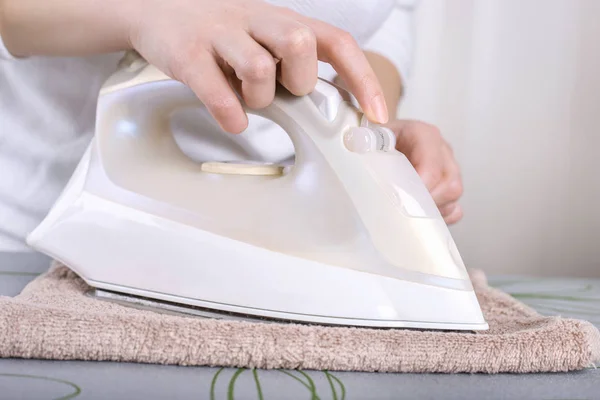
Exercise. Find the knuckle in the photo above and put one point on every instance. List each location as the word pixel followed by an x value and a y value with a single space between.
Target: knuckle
pixel 424 128
pixel 258 68
pixel 178 67
pixel 182 59
pixel 258 102
pixel 300 41
pixel 435 176
pixel 431 175
pixel 341 43
pixel 345 41
pixel 456 215
pixel 455 188
pixel 221 106
pixel 429 128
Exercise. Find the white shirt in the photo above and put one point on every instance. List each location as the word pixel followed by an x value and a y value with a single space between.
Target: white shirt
pixel 48 105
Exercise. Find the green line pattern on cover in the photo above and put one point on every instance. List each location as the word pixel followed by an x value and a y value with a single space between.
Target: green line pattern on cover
pixel 231 388
pixel 333 391
pixel 311 383
pixel 72 395
pixel 336 388
pixel 339 382
pixel 257 382
pixel 213 383
pixel 19 273
pixel 311 387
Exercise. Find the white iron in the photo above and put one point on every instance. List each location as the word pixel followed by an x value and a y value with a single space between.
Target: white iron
pixel 349 235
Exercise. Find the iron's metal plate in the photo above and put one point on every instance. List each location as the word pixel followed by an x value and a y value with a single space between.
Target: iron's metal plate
pixel 165 307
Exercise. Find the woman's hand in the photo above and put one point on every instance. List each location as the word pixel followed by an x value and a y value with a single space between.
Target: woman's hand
pixel 206 44
pixel 433 159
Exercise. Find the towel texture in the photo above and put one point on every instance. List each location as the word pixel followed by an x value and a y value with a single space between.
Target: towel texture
pixel 53 318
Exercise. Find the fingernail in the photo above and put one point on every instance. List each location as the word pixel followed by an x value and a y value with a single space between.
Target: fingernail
pixel 379 109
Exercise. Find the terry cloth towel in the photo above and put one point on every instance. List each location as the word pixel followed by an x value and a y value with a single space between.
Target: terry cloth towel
pixel 53 318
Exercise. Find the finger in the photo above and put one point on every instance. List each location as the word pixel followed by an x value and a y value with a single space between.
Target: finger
pixel 295 45
pixel 406 140
pixel 450 189
pixel 338 48
pixel 452 168
pixel 253 65
pixel 213 89
pixel 428 165
pixel 455 216
pixel 448 209
pixel 447 191
pixel 234 82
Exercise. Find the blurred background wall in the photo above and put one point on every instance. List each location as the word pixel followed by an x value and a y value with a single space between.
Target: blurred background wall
pixel 514 85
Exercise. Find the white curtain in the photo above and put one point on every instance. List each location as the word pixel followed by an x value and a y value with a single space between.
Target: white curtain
pixel 514 86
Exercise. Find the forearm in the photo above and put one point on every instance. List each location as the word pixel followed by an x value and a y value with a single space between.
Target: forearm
pixel 390 79
pixel 65 27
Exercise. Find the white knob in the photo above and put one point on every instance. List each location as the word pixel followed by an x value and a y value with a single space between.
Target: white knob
pixel 359 140
pixel 363 140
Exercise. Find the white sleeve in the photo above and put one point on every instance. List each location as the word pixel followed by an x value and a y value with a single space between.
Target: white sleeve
pixel 4 54
pixel 394 39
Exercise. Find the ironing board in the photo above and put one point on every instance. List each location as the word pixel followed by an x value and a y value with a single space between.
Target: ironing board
pixel 31 379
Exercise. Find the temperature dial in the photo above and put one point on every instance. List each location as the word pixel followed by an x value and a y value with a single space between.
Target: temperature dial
pixel 369 139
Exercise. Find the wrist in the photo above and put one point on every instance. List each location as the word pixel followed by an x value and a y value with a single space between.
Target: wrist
pixel 7 26
pixel 390 80
pixel 130 22
pixel 65 27
pixel 116 19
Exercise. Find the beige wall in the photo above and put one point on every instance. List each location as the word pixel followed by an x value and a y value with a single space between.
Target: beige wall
pixel 515 87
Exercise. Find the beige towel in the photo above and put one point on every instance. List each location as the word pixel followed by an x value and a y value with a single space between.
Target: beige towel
pixel 53 319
